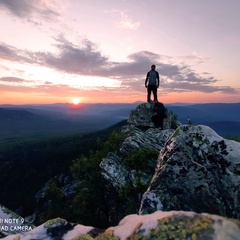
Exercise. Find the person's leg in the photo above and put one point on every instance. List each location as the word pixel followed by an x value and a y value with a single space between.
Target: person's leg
pixel 149 93
pixel 154 89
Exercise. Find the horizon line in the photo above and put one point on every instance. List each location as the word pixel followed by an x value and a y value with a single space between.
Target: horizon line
pixel 137 102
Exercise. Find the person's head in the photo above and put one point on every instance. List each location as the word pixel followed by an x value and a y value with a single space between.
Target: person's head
pixel 153 67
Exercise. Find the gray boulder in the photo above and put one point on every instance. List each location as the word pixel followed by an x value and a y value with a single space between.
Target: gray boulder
pixel 114 171
pixel 197 171
pixel 153 139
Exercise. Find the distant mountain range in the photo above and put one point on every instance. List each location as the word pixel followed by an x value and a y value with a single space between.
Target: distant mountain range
pixel 52 119
pixel 36 121
pixel 224 118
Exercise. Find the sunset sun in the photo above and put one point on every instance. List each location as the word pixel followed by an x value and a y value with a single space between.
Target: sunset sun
pixel 76 101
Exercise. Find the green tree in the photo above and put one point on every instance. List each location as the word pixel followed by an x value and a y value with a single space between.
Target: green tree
pixel 141 160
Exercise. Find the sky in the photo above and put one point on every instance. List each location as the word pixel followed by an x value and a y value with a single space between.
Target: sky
pixel 99 51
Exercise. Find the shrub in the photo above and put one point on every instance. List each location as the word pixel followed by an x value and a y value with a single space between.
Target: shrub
pixel 142 159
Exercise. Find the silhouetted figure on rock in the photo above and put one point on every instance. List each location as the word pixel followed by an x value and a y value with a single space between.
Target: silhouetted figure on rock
pixel 152 83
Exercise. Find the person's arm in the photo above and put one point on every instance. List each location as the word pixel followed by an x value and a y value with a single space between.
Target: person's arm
pixel 146 80
pixel 158 79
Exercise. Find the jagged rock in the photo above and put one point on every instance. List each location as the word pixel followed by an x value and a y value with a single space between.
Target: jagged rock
pixel 141 117
pixel 159 225
pixel 153 138
pixel 141 133
pixel 69 186
pixel 197 171
pixel 114 171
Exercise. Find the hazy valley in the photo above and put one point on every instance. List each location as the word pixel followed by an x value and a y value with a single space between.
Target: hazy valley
pixel 19 122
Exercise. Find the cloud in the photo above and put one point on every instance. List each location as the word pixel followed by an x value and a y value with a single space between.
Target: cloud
pixel 127 23
pixel 61 90
pixel 47 82
pixel 11 53
pixel 12 80
pixel 197 87
pixel 197 57
pixel 8 52
pixel 26 8
pixel 85 59
pixel 124 21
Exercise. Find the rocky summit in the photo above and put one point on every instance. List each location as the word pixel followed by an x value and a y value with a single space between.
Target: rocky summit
pixel 140 133
pixel 191 192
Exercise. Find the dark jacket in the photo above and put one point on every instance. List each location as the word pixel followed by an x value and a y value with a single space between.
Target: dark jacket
pixel 152 78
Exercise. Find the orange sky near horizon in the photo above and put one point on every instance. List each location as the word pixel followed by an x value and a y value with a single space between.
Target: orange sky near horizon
pixel 100 97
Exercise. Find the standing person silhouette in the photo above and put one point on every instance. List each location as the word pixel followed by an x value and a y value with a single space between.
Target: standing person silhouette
pixel 152 83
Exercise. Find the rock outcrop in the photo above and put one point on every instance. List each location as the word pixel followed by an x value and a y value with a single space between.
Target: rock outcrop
pixel 141 117
pixel 140 133
pixel 159 225
pixel 197 171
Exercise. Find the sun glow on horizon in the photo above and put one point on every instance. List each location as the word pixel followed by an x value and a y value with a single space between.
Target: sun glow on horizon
pixel 76 101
